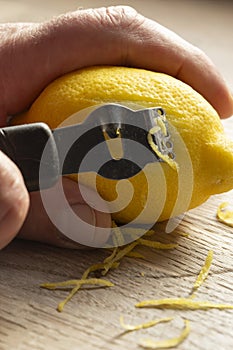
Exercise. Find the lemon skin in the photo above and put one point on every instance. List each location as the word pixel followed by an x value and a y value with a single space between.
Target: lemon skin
pixel 203 153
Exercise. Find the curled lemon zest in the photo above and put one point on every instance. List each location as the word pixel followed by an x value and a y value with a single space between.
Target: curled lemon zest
pixel 108 266
pixel 204 271
pixel 98 267
pixel 162 156
pixel 182 304
pixel 130 328
pixel 111 256
pixel 129 247
pixel 169 343
pixel 162 126
pixel 95 267
pixel 120 254
pixel 155 129
pixel 225 216
pixel 110 262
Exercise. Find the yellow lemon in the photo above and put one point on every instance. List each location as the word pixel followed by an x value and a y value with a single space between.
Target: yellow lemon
pixel 203 154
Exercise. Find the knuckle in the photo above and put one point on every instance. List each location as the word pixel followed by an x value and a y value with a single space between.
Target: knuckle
pixel 199 54
pixel 118 17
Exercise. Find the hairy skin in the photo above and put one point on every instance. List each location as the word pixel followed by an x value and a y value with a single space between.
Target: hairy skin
pixel 34 54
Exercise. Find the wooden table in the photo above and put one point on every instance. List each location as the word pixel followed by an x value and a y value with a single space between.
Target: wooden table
pixel 28 316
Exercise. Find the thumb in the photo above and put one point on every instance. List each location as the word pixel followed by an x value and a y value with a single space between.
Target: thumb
pixel 60 216
pixel 14 200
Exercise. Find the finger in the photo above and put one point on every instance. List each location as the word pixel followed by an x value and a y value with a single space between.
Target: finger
pixel 69 224
pixel 121 36
pixel 168 53
pixel 14 200
pixel 113 36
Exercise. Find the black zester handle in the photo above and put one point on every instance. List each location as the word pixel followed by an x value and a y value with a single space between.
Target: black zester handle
pixel 24 145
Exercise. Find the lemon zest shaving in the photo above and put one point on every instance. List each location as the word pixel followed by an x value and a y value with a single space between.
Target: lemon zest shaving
pixel 110 265
pixel 97 267
pixel 155 129
pixel 130 328
pixel 92 268
pixel 225 216
pixel 125 251
pixel 164 157
pixel 204 271
pixel 110 262
pixel 128 248
pixel 111 256
pixel 162 126
pixel 121 253
pixel 169 343
pixel 182 304
pixel 80 282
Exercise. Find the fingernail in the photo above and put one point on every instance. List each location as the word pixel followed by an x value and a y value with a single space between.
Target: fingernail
pixel 79 225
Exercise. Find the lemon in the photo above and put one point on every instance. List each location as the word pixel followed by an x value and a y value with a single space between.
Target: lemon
pixel 203 154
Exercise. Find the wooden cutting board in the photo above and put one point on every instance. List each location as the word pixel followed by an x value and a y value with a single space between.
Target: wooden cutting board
pixel 28 316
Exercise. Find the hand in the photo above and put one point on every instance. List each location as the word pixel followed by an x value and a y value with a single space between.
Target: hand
pixel 34 54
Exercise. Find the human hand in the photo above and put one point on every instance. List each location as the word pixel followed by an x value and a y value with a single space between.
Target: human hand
pixel 34 54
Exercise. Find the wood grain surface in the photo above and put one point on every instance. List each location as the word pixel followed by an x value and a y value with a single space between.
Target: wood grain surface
pixel 28 316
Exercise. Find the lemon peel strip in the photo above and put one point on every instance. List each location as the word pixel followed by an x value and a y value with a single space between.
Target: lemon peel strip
pixel 130 328
pixel 225 216
pixel 156 150
pixel 110 265
pixel 167 344
pixel 182 304
pixel 110 262
pixel 161 126
pixel 121 253
pixel 111 256
pixel 80 282
pixel 204 271
pixel 127 250
pixel 97 267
